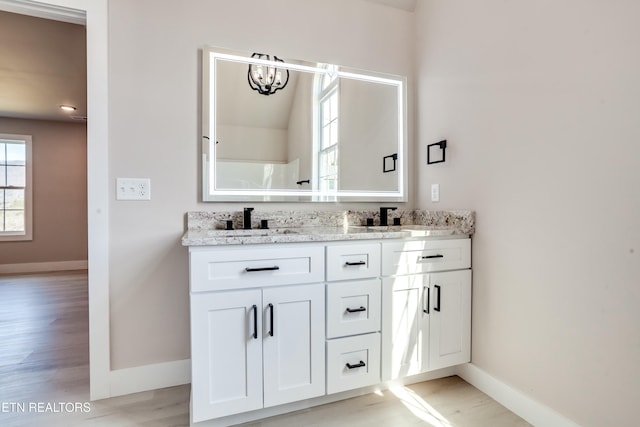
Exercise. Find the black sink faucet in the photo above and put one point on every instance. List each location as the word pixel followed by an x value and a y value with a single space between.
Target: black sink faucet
pixel 247 218
pixel 383 215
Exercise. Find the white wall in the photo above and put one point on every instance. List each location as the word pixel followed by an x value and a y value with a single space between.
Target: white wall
pixel 368 127
pixel 59 151
pixel 154 123
pixel 539 102
pixel 300 130
pixel 264 144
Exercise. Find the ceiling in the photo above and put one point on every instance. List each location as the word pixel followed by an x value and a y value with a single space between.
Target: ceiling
pixel 42 66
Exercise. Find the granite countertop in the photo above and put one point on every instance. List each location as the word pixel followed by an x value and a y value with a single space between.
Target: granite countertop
pixel 206 228
pixel 311 234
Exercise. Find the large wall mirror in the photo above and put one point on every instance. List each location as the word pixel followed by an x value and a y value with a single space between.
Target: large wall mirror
pixel 287 130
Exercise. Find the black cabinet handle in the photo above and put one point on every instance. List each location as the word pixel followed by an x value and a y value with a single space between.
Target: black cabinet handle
pixel 436 307
pixel 428 301
pixel 255 321
pixel 432 256
pixel 355 310
pixel 355 263
pixel 270 319
pixel 249 269
pixel 357 365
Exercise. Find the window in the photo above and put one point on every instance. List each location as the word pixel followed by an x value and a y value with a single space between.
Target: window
pixel 328 133
pixel 15 187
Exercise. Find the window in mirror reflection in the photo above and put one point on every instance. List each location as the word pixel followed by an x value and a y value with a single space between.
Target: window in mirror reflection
pixel 328 112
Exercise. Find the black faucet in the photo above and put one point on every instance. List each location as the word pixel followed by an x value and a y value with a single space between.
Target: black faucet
pixel 383 214
pixel 247 218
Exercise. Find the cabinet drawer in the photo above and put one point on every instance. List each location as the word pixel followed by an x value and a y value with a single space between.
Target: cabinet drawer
pixel 268 265
pixel 353 308
pixel 346 262
pixel 425 256
pixel 353 362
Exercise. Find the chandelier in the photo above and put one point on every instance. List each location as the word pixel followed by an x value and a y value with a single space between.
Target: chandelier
pixel 266 79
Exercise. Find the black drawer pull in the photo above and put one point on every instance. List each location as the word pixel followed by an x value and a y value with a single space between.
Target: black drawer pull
pixel 357 365
pixel 436 307
pixel 355 263
pixel 274 268
pixel 355 310
pixel 432 256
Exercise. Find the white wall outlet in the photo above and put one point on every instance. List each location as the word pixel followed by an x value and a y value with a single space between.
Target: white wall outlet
pixel 133 189
pixel 435 192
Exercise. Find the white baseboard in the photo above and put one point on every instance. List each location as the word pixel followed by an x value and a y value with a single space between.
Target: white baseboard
pixel 149 377
pixel 42 267
pixel 516 401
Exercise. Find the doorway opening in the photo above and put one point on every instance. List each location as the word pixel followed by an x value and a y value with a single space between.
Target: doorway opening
pixel 94 15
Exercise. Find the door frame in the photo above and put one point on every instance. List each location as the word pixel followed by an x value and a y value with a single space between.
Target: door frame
pixel 94 15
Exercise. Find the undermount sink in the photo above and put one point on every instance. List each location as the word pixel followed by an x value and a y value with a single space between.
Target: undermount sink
pixel 413 230
pixel 257 232
pixel 406 230
pixel 379 227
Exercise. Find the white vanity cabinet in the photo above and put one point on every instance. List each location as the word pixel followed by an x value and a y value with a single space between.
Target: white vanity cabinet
pixel 280 327
pixel 261 346
pixel 426 294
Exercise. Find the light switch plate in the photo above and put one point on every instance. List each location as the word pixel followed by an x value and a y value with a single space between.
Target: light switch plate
pixel 435 192
pixel 133 189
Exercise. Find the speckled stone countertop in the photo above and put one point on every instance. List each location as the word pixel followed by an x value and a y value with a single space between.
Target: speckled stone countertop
pixel 207 228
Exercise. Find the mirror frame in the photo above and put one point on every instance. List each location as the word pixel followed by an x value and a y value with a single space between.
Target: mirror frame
pixel 211 194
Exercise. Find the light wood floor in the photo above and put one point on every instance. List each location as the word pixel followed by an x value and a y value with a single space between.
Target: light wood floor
pixel 44 357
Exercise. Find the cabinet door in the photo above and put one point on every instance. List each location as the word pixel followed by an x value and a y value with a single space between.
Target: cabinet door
pixel 293 345
pixel 226 353
pixel 450 323
pixel 405 328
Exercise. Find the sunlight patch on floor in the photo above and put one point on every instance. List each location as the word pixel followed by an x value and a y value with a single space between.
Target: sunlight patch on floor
pixel 419 407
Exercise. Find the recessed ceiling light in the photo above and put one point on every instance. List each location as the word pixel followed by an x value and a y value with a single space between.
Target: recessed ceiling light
pixel 68 108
